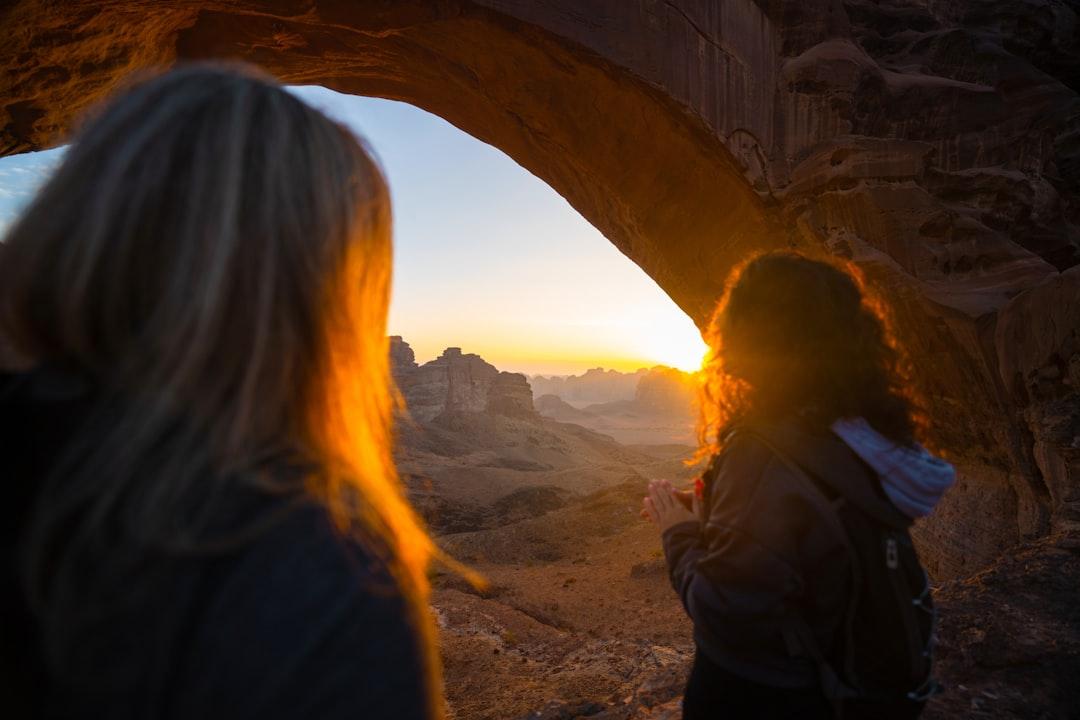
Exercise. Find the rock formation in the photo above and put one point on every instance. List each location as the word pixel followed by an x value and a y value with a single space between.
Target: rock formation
pixel 666 390
pixel 474 453
pixel 659 408
pixel 596 385
pixel 402 357
pixel 556 408
pixel 457 382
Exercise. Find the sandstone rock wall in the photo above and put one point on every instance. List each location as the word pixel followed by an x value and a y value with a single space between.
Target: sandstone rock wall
pixel 934 142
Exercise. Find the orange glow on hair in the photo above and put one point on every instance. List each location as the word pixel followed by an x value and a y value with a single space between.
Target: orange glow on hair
pixel 350 425
pixel 863 368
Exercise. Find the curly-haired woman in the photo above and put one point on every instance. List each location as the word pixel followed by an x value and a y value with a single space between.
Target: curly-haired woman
pixel 793 559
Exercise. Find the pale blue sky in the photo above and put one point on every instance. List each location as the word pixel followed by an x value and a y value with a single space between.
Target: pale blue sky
pixel 487 256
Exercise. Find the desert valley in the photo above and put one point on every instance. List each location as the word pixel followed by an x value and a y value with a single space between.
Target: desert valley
pixel 578 616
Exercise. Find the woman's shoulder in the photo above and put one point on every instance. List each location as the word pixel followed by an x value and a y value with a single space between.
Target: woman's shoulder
pixel 745 455
pixel 774 444
pixel 756 462
pixel 736 475
pixel 296 538
pixel 299 566
pixel 304 620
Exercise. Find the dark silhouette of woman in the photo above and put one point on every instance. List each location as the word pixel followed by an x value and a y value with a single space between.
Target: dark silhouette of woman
pixel 816 473
pixel 201 514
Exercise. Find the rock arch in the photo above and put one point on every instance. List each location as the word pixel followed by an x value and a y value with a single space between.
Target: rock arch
pixel 939 148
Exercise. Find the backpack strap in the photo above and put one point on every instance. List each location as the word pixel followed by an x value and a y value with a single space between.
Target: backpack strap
pixel 708 475
pixel 798 636
pixel 801 641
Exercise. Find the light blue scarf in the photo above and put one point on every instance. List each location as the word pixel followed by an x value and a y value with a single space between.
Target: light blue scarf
pixel 913 479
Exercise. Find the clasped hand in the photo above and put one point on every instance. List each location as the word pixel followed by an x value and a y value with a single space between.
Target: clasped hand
pixel 666 507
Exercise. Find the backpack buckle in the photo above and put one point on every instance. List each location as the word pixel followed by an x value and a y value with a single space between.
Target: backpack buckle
pixel 892 554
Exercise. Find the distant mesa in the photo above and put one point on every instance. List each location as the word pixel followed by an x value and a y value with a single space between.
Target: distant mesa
pixel 654 406
pixel 556 408
pixel 665 390
pixel 457 382
pixel 595 386
pixel 657 405
pixel 402 357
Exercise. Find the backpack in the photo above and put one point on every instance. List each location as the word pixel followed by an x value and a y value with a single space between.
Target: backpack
pixel 888 633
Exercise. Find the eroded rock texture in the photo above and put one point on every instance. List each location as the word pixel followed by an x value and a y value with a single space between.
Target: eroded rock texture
pixel 457 382
pixel 935 142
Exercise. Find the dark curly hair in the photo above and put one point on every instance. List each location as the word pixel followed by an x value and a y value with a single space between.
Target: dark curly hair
pixel 795 336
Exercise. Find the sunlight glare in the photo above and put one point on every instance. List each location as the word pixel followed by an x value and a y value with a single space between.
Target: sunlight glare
pixel 676 342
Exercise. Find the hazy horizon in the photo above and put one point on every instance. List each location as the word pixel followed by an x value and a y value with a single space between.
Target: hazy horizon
pixel 576 373
pixel 487 257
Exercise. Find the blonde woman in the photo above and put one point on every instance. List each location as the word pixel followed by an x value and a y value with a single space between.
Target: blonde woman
pixel 202 515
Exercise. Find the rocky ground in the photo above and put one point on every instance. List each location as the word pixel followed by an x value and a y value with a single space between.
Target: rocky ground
pixel 591 630
pixel 595 631
pixel 1010 637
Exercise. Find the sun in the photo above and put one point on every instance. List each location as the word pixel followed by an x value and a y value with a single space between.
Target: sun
pixel 677 344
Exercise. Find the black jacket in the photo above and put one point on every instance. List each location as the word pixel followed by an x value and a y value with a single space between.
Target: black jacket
pixel 294 623
pixel 765 557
